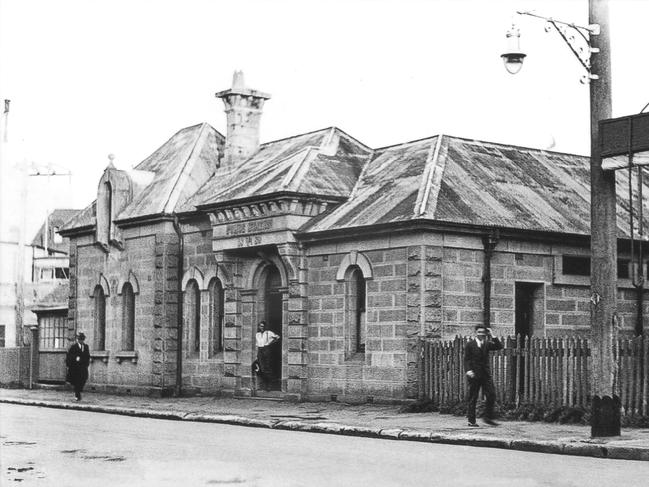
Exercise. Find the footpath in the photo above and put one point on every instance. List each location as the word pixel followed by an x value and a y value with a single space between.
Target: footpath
pixel 369 420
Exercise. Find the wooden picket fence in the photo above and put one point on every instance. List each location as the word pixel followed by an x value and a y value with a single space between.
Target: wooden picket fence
pixel 549 372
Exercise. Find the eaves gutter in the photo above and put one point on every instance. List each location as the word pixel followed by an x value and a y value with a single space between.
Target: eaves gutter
pixel 341 234
pixel 77 231
pixel 155 218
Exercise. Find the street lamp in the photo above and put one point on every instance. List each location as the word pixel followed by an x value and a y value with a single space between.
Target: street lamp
pixel 591 45
pixel 576 37
pixel 514 57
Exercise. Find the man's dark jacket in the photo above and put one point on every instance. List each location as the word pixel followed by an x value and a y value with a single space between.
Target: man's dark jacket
pixel 77 361
pixel 477 358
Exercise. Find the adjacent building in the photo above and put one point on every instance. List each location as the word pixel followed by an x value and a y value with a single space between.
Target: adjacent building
pixel 44 268
pixel 350 253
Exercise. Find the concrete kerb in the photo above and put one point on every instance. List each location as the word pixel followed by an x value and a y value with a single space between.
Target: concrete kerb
pixel 573 447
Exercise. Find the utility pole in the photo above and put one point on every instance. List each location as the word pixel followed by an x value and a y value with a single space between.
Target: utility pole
pixel 595 57
pixel 603 242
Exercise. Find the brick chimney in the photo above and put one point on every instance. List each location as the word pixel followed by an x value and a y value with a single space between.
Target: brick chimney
pixel 243 108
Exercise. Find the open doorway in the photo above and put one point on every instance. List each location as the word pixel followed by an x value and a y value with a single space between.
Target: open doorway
pixel 273 314
pixel 529 309
pixel 529 321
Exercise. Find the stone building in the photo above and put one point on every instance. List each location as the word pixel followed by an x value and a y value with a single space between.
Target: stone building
pixel 350 253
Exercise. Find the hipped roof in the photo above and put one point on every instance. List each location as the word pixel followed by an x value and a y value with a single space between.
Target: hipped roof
pixel 438 179
pixel 463 181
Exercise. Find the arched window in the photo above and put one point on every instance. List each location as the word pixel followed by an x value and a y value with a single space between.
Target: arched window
pixel 192 314
pixel 99 319
pixel 216 310
pixel 355 311
pixel 109 210
pixel 128 318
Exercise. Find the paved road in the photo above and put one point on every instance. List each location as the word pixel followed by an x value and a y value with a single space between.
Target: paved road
pixel 43 447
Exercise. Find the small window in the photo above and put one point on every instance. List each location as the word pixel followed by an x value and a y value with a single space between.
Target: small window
pixel 192 315
pixel 109 211
pixel 2 336
pixel 100 319
pixel 61 273
pixel 356 315
pixel 576 266
pixel 623 269
pixel 580 266
pixel 128 318
pixel 216 316
pixel 53 331
pixel 46 274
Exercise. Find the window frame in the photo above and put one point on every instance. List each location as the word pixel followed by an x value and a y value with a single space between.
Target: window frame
pixel 128 318
pixel 355 312
pixel 99 319
pixel 216 305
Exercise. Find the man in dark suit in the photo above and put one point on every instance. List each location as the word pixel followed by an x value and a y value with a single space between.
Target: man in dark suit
pixel 476 364
pixel 77 361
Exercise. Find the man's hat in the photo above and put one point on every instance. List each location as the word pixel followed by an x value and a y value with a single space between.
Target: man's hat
pixel 81 336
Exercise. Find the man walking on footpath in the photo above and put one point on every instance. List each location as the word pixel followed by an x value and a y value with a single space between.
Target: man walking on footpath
pixel 77 361
pixel 476 364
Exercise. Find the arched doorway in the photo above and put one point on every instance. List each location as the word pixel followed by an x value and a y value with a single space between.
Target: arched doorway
pixel 272 313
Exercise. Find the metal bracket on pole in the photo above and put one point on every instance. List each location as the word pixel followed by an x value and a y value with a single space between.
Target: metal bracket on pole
pixel 567 32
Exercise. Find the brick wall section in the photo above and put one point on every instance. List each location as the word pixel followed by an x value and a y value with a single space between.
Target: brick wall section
pixel 424 304
pixel 462 288
pixel 232 334
pixel 148 255
pixel 382 371
pixel 422 284
pixel 72 296
pixel 165 322
pixel 565 307
pixel 200 371
pixel 295 342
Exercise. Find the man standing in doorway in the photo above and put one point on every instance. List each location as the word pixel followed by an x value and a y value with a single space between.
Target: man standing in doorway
pixel 478 372
pixel 265 338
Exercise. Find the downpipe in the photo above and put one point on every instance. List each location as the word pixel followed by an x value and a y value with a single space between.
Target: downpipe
pixel 489 242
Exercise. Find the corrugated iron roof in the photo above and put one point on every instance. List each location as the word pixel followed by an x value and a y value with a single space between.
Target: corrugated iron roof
pixel 326 162
pixel 476 183
pixel 82 219
pixel 56 299
pixel 178 168
pixel 181 166
pixel 441 178
pixel 386 191
pixel 56 219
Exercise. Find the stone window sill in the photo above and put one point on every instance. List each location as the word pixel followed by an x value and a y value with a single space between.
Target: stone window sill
pixel 126 355
pixel 355 358
pixel 100 355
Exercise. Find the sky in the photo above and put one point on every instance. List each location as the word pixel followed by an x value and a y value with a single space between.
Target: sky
pixel 91 78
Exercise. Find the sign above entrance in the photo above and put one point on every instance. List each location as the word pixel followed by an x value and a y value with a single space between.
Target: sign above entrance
pixel 254 226
pixel 257 224
pixel 624 141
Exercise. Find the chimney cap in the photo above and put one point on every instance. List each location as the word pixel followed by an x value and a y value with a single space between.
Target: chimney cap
pixel 239 88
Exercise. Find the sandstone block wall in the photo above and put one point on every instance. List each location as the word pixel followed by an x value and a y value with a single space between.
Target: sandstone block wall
pixel 385 369
pixel 148 261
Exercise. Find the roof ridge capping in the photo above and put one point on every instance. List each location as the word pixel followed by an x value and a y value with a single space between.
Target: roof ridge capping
pixel 331 129
pixel 479 141
pixel 514 146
